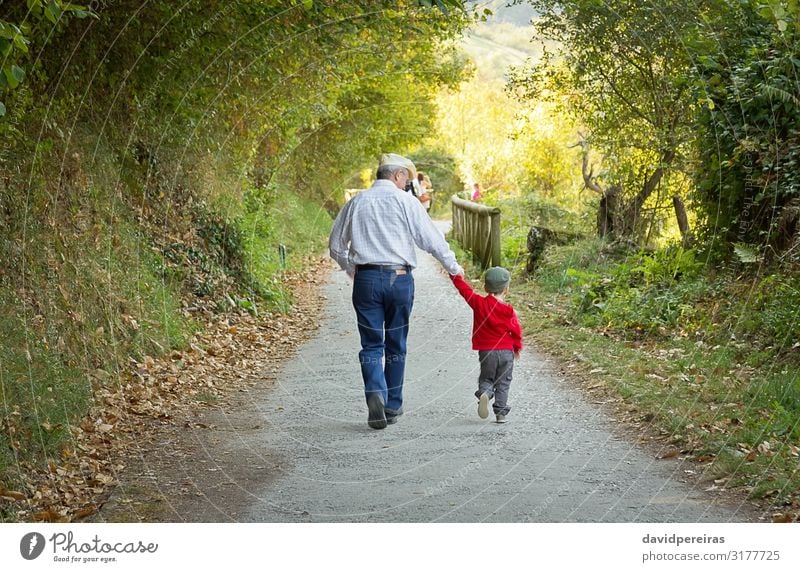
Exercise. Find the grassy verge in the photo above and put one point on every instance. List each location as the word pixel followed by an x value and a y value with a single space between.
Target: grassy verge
pixel 294 229
pixel 105 281
pixel 68 326
pixel 698 353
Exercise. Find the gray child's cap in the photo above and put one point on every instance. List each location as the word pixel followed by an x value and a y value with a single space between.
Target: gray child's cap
pixel 496 279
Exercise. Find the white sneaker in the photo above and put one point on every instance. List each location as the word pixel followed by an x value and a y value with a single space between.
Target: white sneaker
pixel 483 406
pixel 501 418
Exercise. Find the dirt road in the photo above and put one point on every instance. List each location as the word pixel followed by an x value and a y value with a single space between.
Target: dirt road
pixel 300 450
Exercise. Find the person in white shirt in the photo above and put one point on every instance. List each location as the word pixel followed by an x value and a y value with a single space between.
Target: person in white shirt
pixel 373 240
pixel 425 195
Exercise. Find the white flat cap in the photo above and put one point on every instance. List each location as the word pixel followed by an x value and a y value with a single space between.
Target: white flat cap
pixel 399 161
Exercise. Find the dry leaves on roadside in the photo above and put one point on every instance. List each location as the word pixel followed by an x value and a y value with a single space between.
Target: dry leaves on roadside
pixel 233 351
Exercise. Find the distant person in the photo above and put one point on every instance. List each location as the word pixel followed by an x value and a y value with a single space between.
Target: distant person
pixel 497 335
pixel 373 240
pixel 425 186
pixel 413 187
pixel 476 193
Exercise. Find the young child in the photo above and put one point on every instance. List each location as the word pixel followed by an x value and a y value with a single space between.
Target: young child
pixel 497 335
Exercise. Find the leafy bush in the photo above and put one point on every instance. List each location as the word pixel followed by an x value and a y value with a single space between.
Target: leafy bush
pixel 644 292
pixel 771 310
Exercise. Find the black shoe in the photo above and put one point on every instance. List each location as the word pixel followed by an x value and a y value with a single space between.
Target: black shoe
pixel 377 417
pixel 392 415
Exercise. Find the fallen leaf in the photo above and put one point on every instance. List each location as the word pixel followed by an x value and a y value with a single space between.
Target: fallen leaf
pixel 782 517
pixel 12 495
pixel 49 516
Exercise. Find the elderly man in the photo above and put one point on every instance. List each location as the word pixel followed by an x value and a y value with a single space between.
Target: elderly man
pixel 373 240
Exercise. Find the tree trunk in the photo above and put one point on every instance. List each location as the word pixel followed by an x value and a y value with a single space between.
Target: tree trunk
pixel 683 219
pixel 788 227
pixel 633 211
pixel 608 213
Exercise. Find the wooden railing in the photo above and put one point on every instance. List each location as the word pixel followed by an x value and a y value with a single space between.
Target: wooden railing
pixel 477 230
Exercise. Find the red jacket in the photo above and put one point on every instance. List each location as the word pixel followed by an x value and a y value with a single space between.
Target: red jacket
pixel 495 325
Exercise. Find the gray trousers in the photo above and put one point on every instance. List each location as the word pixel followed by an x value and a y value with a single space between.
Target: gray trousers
pixel 497 366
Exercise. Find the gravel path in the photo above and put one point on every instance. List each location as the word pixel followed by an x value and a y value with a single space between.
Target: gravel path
pixel 558 459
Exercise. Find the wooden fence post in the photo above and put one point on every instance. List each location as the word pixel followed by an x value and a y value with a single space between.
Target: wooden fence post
pixel 477 229
pixel 495 240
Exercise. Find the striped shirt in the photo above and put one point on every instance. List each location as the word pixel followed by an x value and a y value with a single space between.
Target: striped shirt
pixel 381 226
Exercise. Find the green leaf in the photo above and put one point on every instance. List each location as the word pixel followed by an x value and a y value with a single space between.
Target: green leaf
pixel 55 7
pixel 78 11
pixel 308 4
pixel 49 14
pixel 21 42
pixel 747 253
pixel 10 77
pixel 765 12
pixel 2 109
pixel 782 25
pixel 18 72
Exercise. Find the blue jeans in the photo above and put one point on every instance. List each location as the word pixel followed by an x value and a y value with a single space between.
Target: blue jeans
pixel 383 300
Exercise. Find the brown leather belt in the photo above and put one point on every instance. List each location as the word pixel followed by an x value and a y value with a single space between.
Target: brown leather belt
pixel 399 268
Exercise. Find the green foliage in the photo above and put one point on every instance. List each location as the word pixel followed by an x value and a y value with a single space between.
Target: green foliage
pixel 555 272
pixel 772 312
pixel 671 292
pixel 15 40
pixel 672 94
pixel 746 253
pixel 668 265
pixel 514 248
pixel 643 293
pixel 750 141
pixel 620 70
pixel 298 225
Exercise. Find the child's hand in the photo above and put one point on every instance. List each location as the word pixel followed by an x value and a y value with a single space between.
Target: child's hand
pixel 516 354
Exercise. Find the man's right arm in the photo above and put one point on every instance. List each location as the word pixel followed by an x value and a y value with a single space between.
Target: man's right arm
pixel 429 239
